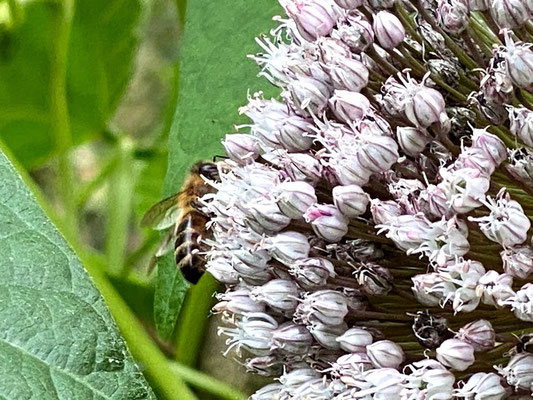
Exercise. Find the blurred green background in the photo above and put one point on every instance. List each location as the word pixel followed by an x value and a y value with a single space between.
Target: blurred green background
pixel 106 104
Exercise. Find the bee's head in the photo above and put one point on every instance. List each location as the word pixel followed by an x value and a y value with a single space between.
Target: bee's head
pixel 207 169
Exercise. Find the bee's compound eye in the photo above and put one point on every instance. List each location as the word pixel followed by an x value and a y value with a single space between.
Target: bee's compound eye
pixel 209 170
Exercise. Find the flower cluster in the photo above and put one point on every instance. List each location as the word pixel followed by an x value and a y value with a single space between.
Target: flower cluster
pixel 372 226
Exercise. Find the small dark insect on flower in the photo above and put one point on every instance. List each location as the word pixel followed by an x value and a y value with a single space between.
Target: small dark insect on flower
pixel 372 223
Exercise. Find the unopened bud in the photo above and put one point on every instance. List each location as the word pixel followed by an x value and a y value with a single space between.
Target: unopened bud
pixel 412 140
pixel 327 222
pixel 292 338
pixel 482 386
pixel 519 59
pixel 287 247
pixel 309 94
pixel 354 340
pixel 518 261
pixel 519 371
pixel 323 306
pixel 326 334
pixel 479 334
pixel 268 392
pixel 388 29
pixel 355 31
pixel 267 217
pixel 425 106
pixel 241 148
pixel 238 301
pixel 385 354
pixel 279 294
pixel 456 354
pixel 348 74
pixel 351 200
pixel 509 13
pixel 314 18
pixel 294 133
pixel 521 120
pixel 295 198
pixel 478 5
pixel 312 272
pixel 349 106
pixel 453 15
pixel 492 145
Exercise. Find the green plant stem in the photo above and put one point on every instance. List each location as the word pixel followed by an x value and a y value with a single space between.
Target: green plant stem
pixel 194 313
pixel 119 207
pixel 60 115
pixel 88 189
pixel 206 383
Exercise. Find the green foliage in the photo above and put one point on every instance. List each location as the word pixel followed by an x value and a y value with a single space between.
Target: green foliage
pixel 102 43
pixel 57 339
pixel 215 77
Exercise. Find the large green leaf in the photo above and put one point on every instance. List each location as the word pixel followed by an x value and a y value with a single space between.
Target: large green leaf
pixel 215 75
pixel 57 339
pixel 101 47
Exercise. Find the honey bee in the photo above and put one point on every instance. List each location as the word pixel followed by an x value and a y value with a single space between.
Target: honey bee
pixel 182 211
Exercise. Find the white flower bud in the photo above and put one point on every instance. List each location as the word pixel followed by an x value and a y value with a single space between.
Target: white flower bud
pixel 464 188
pixel 324 306
pixel 355 31
pixel 522 303
pixel 279 294
pixel 303 167
pixel 312 272
pixel 456 354
pixel 388 29
pixel 309 94
pixel 491 145
pixel 429 289
pixel 327 222
pixel 521 120
pixel 453 15
pixel 287 247
pixel 381 4
pixel 314 18
pixel 222 270
pixel 348 106
pixel 424 106
pixel 241 148
pixel 349 173
pixel 385 354
pixel 519 371
pixel 383 212
pixel 479 334
pixel 326 334
pixel 378 153
pixel 295 198
pixel 412 141
pixel 347 74
pixel 478 5
pixel 292 338
pixel 355 340
pixel 266 217
pixel 482 386
pixel 237 301
pixel 518 261
pixel 294 133
pixel 519 61
pixel 351 200
pixel 509 13
pixel 348 367
pixel 268 392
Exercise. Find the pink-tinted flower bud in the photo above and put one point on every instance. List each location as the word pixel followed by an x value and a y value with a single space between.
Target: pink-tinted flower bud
pixel 412 141
pixel 348 106
pixel 430 289
pixel 287 247
pixel 279 294
pixel 327 222
pixel 492 145
pixel 266 217
pixel 482 386
pixel 478 5
pixel 312 272
pixel 424 107
pixel 314 18
pixel 506 224
pixel 349 173
pixel 518 261
pixel 383 212
pixel 433 201
pixel 292 338
pixel 237 302
pixel 355 340
pixel 309 94
pixel 388 29
pixel 378 153
pixel 519 63
pixel 355 31
pixel 295 198
pixel 519 371
pixel 509 13
pixel 349 4
pixel 521 120
pixel 453 15
pixel 348 367
pixel 476 158
pixel 351 200
pixel 325 306
pixel 464 188
pixel 456 354
pixel 479 334
pixel 241 148
pixel 268 392
pixel 385 354
pixel 303 167
pixel 294 133
pixel 325 334
pixel 347 74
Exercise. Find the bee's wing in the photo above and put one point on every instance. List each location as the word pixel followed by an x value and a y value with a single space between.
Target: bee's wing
pixel 162 215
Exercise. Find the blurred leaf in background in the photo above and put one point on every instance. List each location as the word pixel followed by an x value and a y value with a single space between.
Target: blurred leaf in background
pixel 102 43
